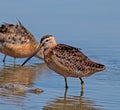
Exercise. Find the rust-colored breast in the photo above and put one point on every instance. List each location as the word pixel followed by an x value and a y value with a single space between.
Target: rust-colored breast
pixel 18 51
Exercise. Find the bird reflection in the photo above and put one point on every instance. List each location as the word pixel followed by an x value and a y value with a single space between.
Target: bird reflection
pixel 66 90
pixel 13 77
pixel 71 103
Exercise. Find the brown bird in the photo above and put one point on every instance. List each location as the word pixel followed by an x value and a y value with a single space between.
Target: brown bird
pixel 16 41
pixel 66 60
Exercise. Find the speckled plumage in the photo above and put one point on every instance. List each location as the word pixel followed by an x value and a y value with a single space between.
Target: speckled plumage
pixel 16 41
pixel 15 34
pixel 71 61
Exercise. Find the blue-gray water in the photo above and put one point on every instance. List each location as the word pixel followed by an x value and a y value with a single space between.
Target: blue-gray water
pixel 93 26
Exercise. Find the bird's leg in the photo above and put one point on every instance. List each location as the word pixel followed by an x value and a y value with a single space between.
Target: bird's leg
pixel 65 93
pixel 14 61
pixel 4 58
pixel 82 82
pixel 82 86
pixel 66 85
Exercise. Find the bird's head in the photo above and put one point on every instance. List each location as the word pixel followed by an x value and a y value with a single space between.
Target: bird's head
pixel 47 41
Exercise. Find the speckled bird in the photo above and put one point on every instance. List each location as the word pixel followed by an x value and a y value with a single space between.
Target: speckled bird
pixel 16 41
pixel 66 60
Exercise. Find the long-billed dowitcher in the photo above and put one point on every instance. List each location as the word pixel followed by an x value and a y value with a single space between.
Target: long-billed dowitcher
pixel 66 60
pixel 16 41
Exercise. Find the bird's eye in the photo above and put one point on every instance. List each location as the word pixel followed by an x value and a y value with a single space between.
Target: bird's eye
pixel 47 40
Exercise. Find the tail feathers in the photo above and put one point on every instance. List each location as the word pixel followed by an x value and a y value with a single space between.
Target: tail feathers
pixel 98 66
pixel 94 65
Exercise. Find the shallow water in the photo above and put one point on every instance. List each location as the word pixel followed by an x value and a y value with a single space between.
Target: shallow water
pixel 93 26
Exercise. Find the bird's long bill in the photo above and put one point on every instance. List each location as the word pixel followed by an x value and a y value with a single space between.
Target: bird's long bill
pixel 31 55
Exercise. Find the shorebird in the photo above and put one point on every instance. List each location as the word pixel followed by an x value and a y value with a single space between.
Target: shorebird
pixel 66 60
pixel 16 41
